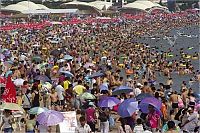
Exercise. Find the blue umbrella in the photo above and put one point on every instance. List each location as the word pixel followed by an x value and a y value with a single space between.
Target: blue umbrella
pixel 144 104
pixel 142 96
pixel 8 73
pixel 108 102
pixel 122 89
pixel 42 78
pixel 68 57
pixel 103 87
pixel 95 75
pixel 67 73
pixel 127 107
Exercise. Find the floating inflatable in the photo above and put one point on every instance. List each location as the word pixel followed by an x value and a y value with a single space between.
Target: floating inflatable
pixel 129 71
pixel 121 65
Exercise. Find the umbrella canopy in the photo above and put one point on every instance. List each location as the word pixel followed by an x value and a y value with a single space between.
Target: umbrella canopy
pixel 67 73
pixel 87 65
pixel 50 118
pixel 150 101
pixel 79 89
pixel 87 96
pixel 103 87
pixel 95 75
pixel 11 106
pixel 37 110
pixel 42 78
pixel 108 102
pixel 36 58
pixel 55 52
pixel 122 89
pixel 19 82
pixel 2 57
pixel 127 107
pixel 8 73
pixel 68 57
pixel 142 96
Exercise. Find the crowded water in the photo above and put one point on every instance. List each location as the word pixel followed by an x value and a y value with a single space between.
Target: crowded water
pixel 116 75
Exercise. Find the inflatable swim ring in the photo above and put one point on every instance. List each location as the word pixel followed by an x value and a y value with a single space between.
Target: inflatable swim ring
pixel 187 56
pixel 129 71
pixel 195 57
pixel 121 65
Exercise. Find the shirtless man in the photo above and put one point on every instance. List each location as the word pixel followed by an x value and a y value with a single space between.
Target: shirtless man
pixel 174 101
pixel 184 96
pixel 146 88
pixel 54 99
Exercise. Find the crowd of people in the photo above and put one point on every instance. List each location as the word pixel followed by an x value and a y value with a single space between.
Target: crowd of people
pixel 56 64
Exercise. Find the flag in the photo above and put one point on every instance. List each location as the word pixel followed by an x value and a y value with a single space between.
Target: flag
pixel 9 94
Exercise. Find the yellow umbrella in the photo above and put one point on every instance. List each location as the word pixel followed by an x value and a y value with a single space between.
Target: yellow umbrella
pixel 11 106
pixel 79 89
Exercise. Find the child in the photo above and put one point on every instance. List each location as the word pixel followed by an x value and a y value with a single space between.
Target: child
pixel 139 127
pixel 83 127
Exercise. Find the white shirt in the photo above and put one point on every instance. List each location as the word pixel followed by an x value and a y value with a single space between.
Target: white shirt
pixel 137 91
pixel 85 129
pixel 138 129
pixel 127 129
pixel 60 90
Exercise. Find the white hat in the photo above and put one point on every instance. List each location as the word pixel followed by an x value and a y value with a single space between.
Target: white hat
pixel 139 84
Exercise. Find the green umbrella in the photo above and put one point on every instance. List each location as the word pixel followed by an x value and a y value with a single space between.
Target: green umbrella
pixel 37 110
pixel 87 95
pixel 37 58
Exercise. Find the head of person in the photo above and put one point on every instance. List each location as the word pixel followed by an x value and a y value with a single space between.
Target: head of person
pixel 191 110
pixel 7 112
pixel 139 121
pixel 151 108
pixel 171 125
pixel 32 116
pixel 82 120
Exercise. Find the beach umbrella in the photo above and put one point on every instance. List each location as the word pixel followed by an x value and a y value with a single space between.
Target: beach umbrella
pixel 42 78
pixel 36 58
pixel 122 89
pixel 55 52
pixel 11 106
pixel 50 118
pixel 142 96
pixel 19 82
pixel 68 57
pixel 61 60
pixel 103 87
pixel 67 73
pixel 47 85
pixel 95 75
pixel 108 102
pixel 2 57
pixel 87 65
pixel 150 101
pixel 127 107
pixel 8 73
pixel 87 96
pixel 79 89
pixel 37 110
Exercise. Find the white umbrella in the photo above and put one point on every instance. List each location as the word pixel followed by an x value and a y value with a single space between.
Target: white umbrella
pixel 19 82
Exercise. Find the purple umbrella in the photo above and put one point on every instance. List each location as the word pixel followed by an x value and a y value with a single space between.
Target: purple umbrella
pixel 127 107
pixel 2 57
pixel 108 102
pixel 122 89
pixel 42 78
pixel 50 118
pixel 150 101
